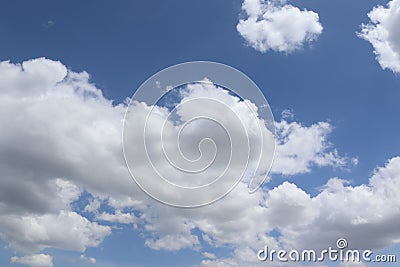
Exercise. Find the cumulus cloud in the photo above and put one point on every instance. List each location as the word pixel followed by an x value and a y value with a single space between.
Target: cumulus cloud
pixel 300 147
pixel 383 33
pixel 362 214
pixel 236 149
pixel 220 223
pixel 278 26
pixel 64 138
pixel 65 230
pixel 46 154
pixel 36 260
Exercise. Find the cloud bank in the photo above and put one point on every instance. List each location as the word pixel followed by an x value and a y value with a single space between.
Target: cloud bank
pixel 62 143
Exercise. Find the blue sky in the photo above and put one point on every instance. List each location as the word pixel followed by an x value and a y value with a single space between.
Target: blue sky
pixel 335 78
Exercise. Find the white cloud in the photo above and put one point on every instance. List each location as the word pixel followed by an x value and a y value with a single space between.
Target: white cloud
pixel 64 137
pixel 67 191
pixel 362 214
pixel 239 145
pixel 93 205
pixel 52 148
pixel 31 78
pixel 66 230
pixel 174 242
pixel 119 217
pixel 277 26
pixel 237 219
pixel 37 260
pixel 383 33
pixel 125 201
pixel 61 122
pixel 301 147
pixel 296 204
pixel 91 260
pixel 64 127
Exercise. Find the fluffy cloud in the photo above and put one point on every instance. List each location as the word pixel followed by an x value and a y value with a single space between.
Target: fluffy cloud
pixel 362 214
pixel 63 138
pixel 277 26
pixel 300 147
pixel 37 260
pixel 236 148
pixel 383 33
pixel 50 146
pixel 220 223
pixel 66 230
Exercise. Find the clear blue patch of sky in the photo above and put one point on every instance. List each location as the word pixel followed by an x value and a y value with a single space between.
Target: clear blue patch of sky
pixel 5 253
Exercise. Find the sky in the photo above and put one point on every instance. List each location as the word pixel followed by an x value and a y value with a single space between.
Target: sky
pixel 329 70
